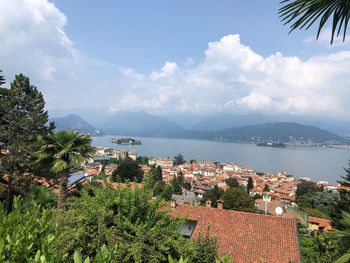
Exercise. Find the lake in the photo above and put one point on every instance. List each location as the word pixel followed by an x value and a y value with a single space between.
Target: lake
pixel 318 163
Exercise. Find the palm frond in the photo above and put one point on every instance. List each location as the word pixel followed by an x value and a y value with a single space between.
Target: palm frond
pixel 343 259
pixel 302 14
pixel 59 166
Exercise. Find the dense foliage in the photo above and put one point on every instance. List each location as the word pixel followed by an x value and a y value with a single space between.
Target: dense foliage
pixel 232 182
pixel 121 219
pixel 179 159
pixel 305 187
pixel 23 119
pixel 27 234
pixel 318 204
pixel 238 199
pixel 128 171
pixel 62 151
pixel 322 249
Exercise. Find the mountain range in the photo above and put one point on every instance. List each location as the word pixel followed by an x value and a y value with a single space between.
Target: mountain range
pixel 240 128
pixel 73 122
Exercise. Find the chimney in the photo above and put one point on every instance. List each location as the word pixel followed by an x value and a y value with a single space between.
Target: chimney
pixel 173 203
pixel 220 204
pixel 208 202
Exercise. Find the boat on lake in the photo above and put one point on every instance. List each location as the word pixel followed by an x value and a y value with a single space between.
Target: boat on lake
pixel 272 144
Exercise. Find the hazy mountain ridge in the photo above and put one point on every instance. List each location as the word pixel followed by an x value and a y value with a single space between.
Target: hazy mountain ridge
pixel 286 132
pixel 145 124
pixel 140 124
pixel 73 122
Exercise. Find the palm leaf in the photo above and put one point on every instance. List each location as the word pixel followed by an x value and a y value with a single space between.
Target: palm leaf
pixel 302 14
pixel 343 259
pixel 59 166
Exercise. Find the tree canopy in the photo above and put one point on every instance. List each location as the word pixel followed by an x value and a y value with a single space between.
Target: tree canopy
pixel 238 199
pixel 179 159
pixel 232 182
pixel 62 151
pixel 23 120
pixel 128 171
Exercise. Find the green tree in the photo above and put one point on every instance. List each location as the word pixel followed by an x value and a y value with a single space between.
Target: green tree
pixel 63 150
pixel 250 184
pixel 238 199
pixel 319 204
pixel 213 195
pixel 155 174
pixel 302 14
pixel 125 219
pixel 266 188
pixel 128 171
pixel 323 248
pixel 2 79
pixel 344 238
pixel 23 120
pixel 142 160
pixel 179 159
pixel 205 250
pixel 27 233
pixel 187 185
pixel 343 203
pixel 167 192
pixel 177 183
pixel 232 182
pixel 305 187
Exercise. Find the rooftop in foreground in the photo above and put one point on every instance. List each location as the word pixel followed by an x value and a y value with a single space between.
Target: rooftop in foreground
pixel 246 237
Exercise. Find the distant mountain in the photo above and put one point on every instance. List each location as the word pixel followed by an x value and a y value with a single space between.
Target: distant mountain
pixel 141 124
pixel 225 121
pixel 73 122
pixel 286 132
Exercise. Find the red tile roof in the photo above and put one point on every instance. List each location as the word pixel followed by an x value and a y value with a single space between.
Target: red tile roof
pixel 246 237
pixel 324 223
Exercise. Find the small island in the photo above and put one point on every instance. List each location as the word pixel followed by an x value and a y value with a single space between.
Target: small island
pixel 272 144
pixel 126 141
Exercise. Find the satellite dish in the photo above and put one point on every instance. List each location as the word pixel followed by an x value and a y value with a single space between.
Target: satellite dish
pixel 279 211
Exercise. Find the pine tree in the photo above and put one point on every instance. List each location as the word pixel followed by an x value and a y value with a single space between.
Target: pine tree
pixel 23 120
pixel 250 185
pixel 343 203
pixel 345 179
pixel 2 79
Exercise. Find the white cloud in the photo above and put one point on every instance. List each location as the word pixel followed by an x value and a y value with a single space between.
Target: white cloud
pixel 168 70
pixel 231 77
pixel 324 39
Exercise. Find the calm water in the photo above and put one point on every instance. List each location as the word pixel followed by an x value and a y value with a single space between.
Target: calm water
pixel 314 162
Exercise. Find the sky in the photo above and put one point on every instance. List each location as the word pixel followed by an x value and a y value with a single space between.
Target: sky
pixel 164 57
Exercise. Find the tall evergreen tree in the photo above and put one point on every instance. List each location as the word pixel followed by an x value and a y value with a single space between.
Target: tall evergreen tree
pixel 23 120
pixel 343 203
pixel 2 79
pixel 250 184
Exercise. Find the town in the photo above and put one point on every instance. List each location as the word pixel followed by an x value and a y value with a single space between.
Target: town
pixel 273 194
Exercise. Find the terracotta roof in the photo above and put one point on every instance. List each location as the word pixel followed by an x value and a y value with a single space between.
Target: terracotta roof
pixel 246 237
pixel 324 223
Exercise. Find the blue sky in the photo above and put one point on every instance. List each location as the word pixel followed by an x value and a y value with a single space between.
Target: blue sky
pixel 144 34
pixel 183 56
